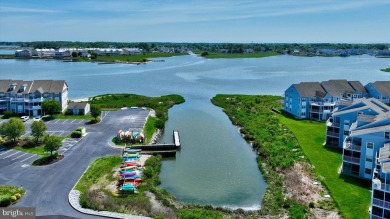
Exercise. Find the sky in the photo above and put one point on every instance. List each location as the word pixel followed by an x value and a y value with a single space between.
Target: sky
pixel 213 21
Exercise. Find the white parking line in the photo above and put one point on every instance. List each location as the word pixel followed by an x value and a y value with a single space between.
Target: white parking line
pixel 27 158
pixel 73 121
pixel 5 152
pixel 25 134
pixel 64 121
pixel 20 156
pixel 61 133
pixel 11 155
pixel 56 121
pixel 81 121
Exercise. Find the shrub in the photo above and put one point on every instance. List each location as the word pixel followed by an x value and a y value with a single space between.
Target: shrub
pixel 80 128
pixel 45 160
pixel 18 196
pixel 13 198
pixel 8 114
pixel 159 124
pixel 311 205
pixel 5 200
pixel 75 134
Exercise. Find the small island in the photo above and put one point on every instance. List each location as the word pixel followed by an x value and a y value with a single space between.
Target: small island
pixel 386 69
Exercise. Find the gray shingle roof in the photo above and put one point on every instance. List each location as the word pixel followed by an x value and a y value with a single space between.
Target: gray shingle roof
pixel 77 105
pixel 43 86
pixel 310 89
pixel 383 87
pixel 358 86
pixel 337 87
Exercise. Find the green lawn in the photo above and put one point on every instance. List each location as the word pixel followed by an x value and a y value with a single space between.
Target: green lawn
pixel 149 128
pixel 96 170
pixel 136 58
pixel 38 150
pixel 238 55
pixel 351 195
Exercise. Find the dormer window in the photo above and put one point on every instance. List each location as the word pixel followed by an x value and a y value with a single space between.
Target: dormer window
pixel 22 88
pixel 12 87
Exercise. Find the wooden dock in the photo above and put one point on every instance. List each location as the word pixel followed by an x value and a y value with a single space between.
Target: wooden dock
pixel 163 149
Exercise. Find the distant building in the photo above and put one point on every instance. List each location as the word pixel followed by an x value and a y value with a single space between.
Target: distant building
pixel 78 108
pixel 26 97
pixel 43 53
pixel 131 51
pixel 23 53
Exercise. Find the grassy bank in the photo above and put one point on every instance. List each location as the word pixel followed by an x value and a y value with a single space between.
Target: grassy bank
pixel 10 194
pixel 97 179
pixel 212 55
pixel 150 128
pixel 386 69
pixel 159 104
pixel 351 195
pixel 276 137
pixel 276 149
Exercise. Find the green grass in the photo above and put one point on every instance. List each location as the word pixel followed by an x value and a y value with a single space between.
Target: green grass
pixel 351 194
pixel 136 58
pixel 386 69
pixel 37 150
pixel 239 55
pixel 63 116
pixel 96 170
pixel 11 190
pixel 149 128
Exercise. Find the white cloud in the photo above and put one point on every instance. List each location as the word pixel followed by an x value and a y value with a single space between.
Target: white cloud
pixel 27 10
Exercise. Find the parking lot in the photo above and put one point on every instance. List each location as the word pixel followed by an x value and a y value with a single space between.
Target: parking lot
pixel 16 159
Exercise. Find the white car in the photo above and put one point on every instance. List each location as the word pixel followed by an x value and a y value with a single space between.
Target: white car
pixel 24 118
pixel 38 118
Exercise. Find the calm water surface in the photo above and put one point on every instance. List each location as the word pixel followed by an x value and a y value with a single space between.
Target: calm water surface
pixel 215 165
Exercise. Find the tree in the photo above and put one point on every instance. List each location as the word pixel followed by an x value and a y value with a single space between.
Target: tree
pixel 38 129
pixel 14 128
pixel 52 143
pixel 74 54
pixel 51 106
pixel 95 111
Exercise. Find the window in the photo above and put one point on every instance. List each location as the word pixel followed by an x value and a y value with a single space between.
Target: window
pixel 346 122
pixel 369 158
pixel 367 171
pixel 346 132
pixel 360 113
pixel 387 135
pixel 370 145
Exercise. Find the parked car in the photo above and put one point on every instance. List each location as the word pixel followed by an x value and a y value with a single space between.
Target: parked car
pixel 38 118
pixel 24 118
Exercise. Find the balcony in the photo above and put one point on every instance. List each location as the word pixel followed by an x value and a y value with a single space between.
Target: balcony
pixel 351 159
pixel 376 217
pixel 332 123
pixel 352 146
pixel 332 134
pixel 323 103
pixel 380 203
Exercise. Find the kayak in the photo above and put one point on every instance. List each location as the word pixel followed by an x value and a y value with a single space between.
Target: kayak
pixel 129 150
pixel 131 177
pixel 131 159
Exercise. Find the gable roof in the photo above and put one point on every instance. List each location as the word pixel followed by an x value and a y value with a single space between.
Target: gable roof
pixel 43 86
pixel 337 87
pixel 383 87
pixel 77 105
pixel 310 89
pixel 357 86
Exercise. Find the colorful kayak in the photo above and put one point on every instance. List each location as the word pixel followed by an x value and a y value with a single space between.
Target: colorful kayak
pixel 131 159
pixel 129 150
pixel 131 177
pixel 130 155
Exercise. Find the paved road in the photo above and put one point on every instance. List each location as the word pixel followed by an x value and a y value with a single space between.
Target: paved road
pixel 48 186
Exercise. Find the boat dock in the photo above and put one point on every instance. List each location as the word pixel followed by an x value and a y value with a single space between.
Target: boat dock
pixel 162 149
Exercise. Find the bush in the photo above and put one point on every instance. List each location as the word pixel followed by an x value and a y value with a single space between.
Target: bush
pixel 75 134
pixel 159 124
pixel 13 198
pixel 80 128
pixel 18 196
pixel 97 120
pixel 5 200
pixel 45 160
pixel 311 205
pixel 8 114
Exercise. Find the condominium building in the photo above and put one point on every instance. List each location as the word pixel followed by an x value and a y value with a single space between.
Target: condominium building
pixel 379 90
pixel 26 97
pixel 366 136
pixel 380 196
pixel 314 100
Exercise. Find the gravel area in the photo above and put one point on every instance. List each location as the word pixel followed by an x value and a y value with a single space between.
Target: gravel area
pixel 74 197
